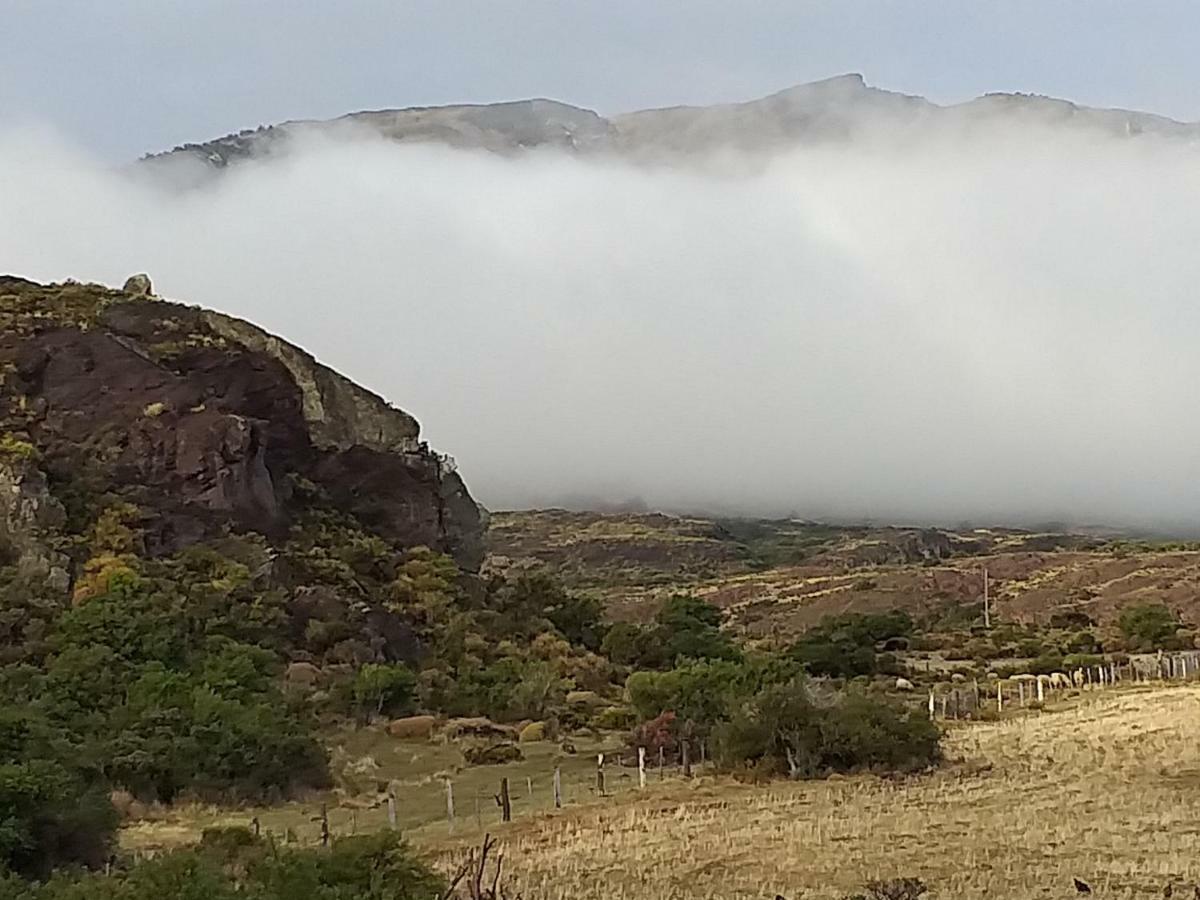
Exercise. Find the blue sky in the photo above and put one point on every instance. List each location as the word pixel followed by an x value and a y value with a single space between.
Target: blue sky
pixel 122 77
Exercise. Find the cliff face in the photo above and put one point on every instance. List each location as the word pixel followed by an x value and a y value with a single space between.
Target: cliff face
pixel 205 423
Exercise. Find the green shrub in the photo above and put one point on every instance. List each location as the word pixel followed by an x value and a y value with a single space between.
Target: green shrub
pixel 1148 627
pixel 1045 664
pixel 1071 620
pixel 782 730
pixel 380 688
pixel 232 865
pixel 1082 642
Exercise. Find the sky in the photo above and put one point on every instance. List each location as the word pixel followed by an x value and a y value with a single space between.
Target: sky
pixel 995 325
pixel 125 77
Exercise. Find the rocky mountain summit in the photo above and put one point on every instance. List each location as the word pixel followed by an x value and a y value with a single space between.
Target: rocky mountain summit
pixel 834 110
pixel 195 426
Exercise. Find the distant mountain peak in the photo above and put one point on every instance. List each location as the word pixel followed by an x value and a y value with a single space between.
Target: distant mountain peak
pixel 839 108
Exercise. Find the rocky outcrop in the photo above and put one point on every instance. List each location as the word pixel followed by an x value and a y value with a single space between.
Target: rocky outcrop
pixel 29 515
pixel 205 423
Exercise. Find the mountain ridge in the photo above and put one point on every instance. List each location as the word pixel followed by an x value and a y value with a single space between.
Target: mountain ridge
pixel 832 109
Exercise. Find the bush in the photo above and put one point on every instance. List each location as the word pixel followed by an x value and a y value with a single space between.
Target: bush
pixel 783 730
pixel 704 692
pixel 1071 620
pixel 230 864
pixel 614 718
pixel 382 688
pixel 844 646
pixel 1148 627
pixel 1045 664
pixel 1082 642
pixel 54 808
pixel 492 754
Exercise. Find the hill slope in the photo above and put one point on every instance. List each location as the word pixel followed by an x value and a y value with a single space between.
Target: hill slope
pixel 779 577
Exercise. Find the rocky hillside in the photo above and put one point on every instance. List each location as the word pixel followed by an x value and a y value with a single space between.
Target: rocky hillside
pixel 831 110
pixel 780 577
pixel 186 426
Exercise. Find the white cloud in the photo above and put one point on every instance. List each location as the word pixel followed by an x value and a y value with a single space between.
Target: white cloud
pixel 994 327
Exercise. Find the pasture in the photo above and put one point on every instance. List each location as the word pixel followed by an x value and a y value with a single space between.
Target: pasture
pixel 1106 789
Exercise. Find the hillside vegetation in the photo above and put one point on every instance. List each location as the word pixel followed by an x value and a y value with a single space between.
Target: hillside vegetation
pixel 775 577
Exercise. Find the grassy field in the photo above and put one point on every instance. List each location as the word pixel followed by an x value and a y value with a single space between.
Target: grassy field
pixel 417 772
pixel 1107 790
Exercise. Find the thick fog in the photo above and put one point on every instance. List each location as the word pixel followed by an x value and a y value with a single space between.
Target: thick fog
pixel 1000 327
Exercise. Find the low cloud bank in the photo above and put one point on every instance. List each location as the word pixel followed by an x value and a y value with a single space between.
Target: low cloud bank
pixel 995 328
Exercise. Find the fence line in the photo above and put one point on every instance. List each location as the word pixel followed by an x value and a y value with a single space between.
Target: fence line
pixel 958 701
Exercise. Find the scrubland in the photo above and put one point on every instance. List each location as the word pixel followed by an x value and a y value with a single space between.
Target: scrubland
pixel 1106 789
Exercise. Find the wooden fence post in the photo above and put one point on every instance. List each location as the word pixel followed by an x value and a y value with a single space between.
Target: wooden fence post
pixel 324 825
pixel 641 767
pixel 931 706
pixel 256 825
pixel 450 804
pixel 557 788
pixel 999 696
pixel 660 763
pixel 505 803
pixel 685 750
pixel 703 753
pixel 1021 692
pixel 391 803
pixel 1041 691
pixel 529 786
pixel 600 774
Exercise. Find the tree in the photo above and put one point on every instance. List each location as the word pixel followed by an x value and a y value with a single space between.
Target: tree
pixel 1149 626
pixel 380 688
pixel 783 730
pixel 579 620
pixel 54 810
pixel 691 629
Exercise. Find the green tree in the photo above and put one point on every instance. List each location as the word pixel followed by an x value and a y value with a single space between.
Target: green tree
pixel 382 688
pixel 1149 626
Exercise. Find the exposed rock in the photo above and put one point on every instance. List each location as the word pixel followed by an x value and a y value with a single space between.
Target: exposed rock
pixel 138 285
pixel 28 515
pixel 533 732
pixel 477 727
pixel 206 423
pixel 303 675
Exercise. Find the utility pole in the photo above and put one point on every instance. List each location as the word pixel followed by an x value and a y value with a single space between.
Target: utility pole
pixel 987 613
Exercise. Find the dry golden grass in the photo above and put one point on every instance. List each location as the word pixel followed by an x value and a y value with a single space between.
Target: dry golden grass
pixel 1107 790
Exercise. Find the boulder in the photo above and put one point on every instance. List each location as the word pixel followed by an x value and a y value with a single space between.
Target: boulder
pixel 412 728
pixel 477 727
pixel 534 731
pixel 138 285
pixel 302 674
pixel 903 684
